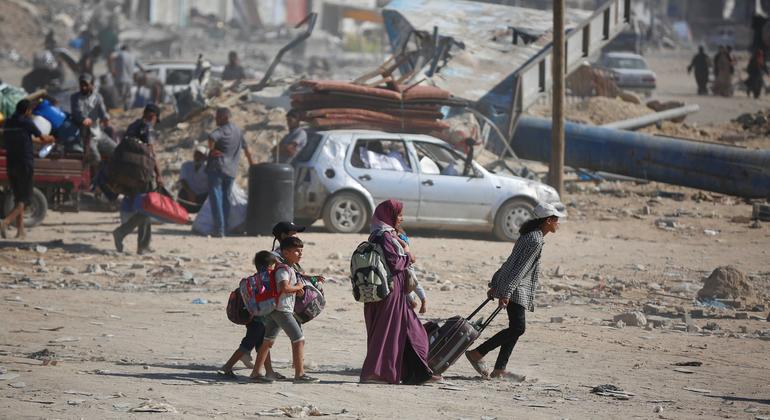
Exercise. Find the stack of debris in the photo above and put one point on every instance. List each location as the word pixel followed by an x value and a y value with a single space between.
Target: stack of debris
pixel 757 123
pixel 328 104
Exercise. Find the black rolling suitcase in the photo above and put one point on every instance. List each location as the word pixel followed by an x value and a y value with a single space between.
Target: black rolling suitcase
pixel 451 339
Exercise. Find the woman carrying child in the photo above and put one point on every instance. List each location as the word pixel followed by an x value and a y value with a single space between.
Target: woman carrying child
pixel 283 315
pixel 397 344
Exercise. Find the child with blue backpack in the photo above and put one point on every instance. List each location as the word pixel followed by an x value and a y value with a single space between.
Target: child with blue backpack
pixel 255 329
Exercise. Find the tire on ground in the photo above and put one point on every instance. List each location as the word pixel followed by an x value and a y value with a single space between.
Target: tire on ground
pixel 35 213
pixel 509 218
pixel 346 212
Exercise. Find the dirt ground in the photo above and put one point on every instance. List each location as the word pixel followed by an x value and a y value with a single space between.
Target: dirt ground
pixel 124 331
pixel 89 333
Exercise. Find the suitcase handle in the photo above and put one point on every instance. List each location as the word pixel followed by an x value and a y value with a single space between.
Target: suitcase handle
pixel 479 308
pixel 489 320
pixel 491 317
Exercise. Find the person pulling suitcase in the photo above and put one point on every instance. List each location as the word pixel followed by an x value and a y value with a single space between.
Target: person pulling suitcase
pixel 514 286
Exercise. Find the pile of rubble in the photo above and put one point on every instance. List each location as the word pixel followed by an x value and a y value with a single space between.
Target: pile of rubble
pixel 757 123
pixel 596 110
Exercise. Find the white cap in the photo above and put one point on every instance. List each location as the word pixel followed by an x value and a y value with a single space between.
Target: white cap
pixel 202 150
pixel 544 210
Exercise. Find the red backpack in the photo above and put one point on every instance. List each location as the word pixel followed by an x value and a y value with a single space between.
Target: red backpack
pixel 260 293
pixel 236 310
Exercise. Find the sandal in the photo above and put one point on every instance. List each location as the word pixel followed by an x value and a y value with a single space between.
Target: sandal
pixel 229 374
pixel 277 376
pixel 306 379
pixel 261 379
pixel 478 365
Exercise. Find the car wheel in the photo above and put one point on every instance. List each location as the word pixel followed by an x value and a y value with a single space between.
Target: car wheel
pixel 510 217
pixel 346 213
pixel 34 213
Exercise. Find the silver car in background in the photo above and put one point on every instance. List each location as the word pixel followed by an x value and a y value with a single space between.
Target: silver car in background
pixel 630 71
pixel 341 175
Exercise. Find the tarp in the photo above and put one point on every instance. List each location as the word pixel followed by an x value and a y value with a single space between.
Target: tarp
pixel 204 223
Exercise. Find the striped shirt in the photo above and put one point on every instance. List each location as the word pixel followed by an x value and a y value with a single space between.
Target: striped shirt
pixel 517 279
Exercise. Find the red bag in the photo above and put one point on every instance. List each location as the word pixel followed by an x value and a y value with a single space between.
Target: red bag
pixel 161 207
pixel 236 310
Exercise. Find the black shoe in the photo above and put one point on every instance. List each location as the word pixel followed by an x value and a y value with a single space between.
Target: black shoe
pixel 118 241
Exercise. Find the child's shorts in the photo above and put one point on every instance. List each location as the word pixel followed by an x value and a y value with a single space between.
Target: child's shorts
pixel 286 322
pixel 255 333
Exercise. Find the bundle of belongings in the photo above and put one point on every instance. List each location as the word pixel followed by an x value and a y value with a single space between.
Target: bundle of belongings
pixel 131 169
pixel 329 104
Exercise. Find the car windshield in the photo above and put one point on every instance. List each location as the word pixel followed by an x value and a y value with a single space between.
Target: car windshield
pixel 626 63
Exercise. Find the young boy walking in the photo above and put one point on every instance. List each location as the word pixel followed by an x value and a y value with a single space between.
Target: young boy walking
pixel 283 315
pixel 255 329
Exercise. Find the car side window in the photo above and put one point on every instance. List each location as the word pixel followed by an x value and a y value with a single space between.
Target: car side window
pixel 385 154
pixel 437 160
pixel 179 76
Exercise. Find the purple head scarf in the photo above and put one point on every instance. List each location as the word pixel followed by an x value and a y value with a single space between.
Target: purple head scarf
pixel 386 214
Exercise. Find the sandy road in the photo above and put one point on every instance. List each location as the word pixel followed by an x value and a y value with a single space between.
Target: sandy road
pixel 128 332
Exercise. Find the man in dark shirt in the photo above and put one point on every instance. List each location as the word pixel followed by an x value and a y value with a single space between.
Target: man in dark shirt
pixel 233 70
pixel 19 134
pixel 700 63
pixel 225 145
pixel 139 130
pixel 293 142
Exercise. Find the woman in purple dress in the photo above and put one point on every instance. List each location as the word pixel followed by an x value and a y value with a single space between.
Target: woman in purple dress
pixel 396 341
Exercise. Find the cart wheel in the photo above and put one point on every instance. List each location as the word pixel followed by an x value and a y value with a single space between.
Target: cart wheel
pixel 34 213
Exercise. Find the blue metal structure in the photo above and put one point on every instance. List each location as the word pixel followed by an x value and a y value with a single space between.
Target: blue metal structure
pixel 707 166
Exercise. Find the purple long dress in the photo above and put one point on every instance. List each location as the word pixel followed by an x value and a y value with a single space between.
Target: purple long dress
pixel 396 341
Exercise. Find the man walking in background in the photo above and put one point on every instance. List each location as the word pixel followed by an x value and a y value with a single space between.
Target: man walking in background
pixel 225 145
pixel 122 68
pixel 233 70
pixel 701 64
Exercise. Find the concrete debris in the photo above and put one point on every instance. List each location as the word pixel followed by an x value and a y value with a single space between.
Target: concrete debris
pixel 609 390
pixel 727 282
pixel 633 319
pixel 44 354
pixel 153 407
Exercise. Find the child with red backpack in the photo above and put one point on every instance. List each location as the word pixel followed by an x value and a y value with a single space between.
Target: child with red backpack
pixel 282 317
pixel 255 328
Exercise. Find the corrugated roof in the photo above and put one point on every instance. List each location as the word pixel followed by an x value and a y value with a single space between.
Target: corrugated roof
pixel 489 57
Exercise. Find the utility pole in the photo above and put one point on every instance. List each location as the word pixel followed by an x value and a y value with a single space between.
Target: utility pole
pixel 556 168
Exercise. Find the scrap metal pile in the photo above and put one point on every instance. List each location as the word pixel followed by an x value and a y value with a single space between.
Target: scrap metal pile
pixel 329 104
